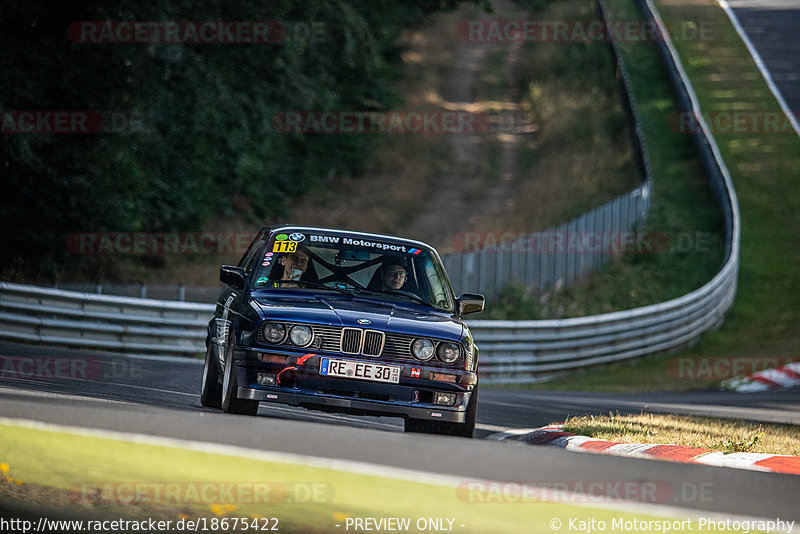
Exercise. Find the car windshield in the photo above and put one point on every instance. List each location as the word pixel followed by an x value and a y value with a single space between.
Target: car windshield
pixel 355 265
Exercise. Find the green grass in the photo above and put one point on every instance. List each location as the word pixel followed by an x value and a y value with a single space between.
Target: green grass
pixel 41 475
pixel 763 322
pixel 766 170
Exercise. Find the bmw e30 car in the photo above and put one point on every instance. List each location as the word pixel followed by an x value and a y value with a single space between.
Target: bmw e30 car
pixel 343 322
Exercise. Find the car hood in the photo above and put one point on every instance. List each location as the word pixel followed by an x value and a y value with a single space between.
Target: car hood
pixel 343 310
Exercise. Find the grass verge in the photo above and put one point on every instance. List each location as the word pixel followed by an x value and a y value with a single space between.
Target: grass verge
pixel 683 216
pixel 53 479
pixel 765 167
pixel 761 328
pixel 708 433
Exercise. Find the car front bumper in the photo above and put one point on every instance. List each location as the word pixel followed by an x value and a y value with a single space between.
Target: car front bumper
pixel 411 398
pixel 333 403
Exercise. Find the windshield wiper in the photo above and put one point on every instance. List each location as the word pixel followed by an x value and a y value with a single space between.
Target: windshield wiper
pixel 323 286
pixel 308 283
pixel 408 294
pixel 356 291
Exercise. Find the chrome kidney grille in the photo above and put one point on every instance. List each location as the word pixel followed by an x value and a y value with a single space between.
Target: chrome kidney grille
pixel 358 341
pixel 352 339
pixel 373 343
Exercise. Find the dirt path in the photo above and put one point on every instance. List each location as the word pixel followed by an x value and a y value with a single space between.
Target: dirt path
pixel 450 207
pixel 465 198
pixel 435 195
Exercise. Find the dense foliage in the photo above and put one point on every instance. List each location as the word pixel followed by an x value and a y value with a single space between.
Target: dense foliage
pixel 189 129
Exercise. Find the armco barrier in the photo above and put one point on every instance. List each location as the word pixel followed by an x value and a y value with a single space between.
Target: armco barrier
pixel 511 351
pixel 85 320
pixel 526 351
pixel 489 269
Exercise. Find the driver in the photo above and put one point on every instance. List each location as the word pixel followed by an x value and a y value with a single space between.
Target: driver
pixel 393 273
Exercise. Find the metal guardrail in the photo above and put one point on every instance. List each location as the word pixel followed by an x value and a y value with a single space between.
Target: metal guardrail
pixel 524 351
pixel 561 255
pixel 86 320
pixel 511 351
pixel 179 292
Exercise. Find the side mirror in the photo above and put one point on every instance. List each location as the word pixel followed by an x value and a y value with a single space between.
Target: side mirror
pixel 232 276
pixel 470 303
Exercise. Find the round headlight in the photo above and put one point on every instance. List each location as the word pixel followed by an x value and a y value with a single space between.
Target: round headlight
pixel 422 349
pixel 448 352
pixel 301 335
pixel 274 332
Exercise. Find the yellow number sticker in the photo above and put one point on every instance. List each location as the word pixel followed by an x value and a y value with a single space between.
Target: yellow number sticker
pixel 284 246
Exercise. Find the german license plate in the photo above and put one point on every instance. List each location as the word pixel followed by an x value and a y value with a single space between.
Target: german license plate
pixel 360 370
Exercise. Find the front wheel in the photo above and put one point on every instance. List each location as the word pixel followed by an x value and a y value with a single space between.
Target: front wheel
pixel 464 430
pixel 230 402
pixel 211 392
pixel 467 428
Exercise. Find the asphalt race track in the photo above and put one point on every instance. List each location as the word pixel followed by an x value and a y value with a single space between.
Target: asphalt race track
pixel 160 397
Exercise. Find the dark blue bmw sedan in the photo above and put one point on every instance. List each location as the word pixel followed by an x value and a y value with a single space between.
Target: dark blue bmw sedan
pixel 344 322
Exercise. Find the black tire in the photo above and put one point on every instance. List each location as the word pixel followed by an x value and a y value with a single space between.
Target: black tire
pixel 230 402
pixel 464 430
pixel 467 428
pixel 211 390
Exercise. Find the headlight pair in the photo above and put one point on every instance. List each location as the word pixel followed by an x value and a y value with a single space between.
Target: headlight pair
pixel 298 334
pixel 424 349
